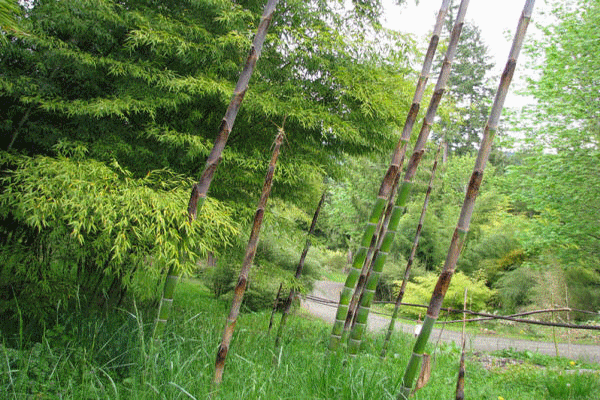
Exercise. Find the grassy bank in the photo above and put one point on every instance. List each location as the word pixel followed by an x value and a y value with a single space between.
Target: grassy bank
pixel 89 358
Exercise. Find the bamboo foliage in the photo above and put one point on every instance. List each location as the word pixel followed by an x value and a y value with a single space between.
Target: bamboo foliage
pixel 464 220
pixel 299 268
pixel 411 258
pixel 404 191
pixel 386 189
pixel 200 189
pixel 240 287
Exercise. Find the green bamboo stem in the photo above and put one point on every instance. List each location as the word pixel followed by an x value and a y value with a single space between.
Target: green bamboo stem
pixel 355 271
pixel 368 268
pixel 464 220
pixel 240 287
pixel 411 258
pixel 386 187
pixel 460 382
pixel 299 268
pixel 200 189
pixel 413 164
pixel 371 253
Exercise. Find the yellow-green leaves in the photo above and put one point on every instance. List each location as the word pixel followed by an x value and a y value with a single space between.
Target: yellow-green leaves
pixel 108 212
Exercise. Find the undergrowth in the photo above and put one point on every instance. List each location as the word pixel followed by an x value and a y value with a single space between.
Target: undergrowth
pixel 91 357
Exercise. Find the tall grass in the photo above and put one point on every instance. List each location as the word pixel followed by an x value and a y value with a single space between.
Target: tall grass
pixel 88 357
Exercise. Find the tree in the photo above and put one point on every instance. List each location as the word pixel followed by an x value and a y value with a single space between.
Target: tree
pixel 144 84
pixel 469 87
pixel 556 181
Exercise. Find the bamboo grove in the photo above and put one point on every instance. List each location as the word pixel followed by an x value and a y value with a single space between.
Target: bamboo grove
pixel 127 212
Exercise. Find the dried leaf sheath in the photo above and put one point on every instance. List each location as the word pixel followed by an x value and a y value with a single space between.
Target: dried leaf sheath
pixel 464 220
pixel 200 189
pixel 386 188
pixel 404 191
pixel 240 287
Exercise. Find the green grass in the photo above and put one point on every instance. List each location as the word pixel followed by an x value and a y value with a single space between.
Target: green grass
pixel 92 358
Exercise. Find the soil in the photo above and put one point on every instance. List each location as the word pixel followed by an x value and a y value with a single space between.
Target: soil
pixel 476 343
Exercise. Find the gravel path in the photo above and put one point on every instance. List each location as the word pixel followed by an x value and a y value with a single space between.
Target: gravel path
pixel 331 291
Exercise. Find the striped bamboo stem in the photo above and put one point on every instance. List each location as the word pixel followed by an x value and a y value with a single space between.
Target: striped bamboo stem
pixel 411 258
pixel 460 382
pixel 299 268
pixel 240 287
pixel 386 187
pixel 404 191
pixel 372 253
pixel 464 220
pixel 200 189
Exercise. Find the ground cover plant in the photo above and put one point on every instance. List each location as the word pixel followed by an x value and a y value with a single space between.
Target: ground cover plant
pixel 90 357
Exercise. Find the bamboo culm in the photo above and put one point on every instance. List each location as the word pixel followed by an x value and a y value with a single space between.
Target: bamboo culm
pixel 460 382
pixel 200 189
pixel 464 220
pixel 299 268
pixel 411 258
pixel 274 309
pixel 386 187
pixel 404 190
pixel 240 287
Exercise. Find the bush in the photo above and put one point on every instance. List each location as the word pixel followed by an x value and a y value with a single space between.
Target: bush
pixel 420 291
pixel 515 288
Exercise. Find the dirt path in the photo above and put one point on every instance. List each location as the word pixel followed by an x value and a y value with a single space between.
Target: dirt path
pixel 331 291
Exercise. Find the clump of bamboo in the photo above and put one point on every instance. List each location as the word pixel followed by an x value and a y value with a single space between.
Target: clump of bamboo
pixel 464 220
pixel 411 258
pixel 460 383
pixel 395 211
pixel 288 302
pixel 200 189
pixel 240 287
pixel 386 189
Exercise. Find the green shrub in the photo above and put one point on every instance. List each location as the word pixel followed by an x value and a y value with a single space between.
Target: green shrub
pixel 515 288
pixel 419 292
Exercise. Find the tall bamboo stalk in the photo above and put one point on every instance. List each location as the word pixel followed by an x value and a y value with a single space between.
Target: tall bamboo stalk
pixel 274 309
pixel 387 185
pixel 460 382
pixel 464 220
pixel 200 189
pixel 411 258
pixel 404 191
pixel 240 287
pixel 299 268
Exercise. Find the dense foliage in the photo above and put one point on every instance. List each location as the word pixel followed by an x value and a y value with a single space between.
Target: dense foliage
pixel 109 109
